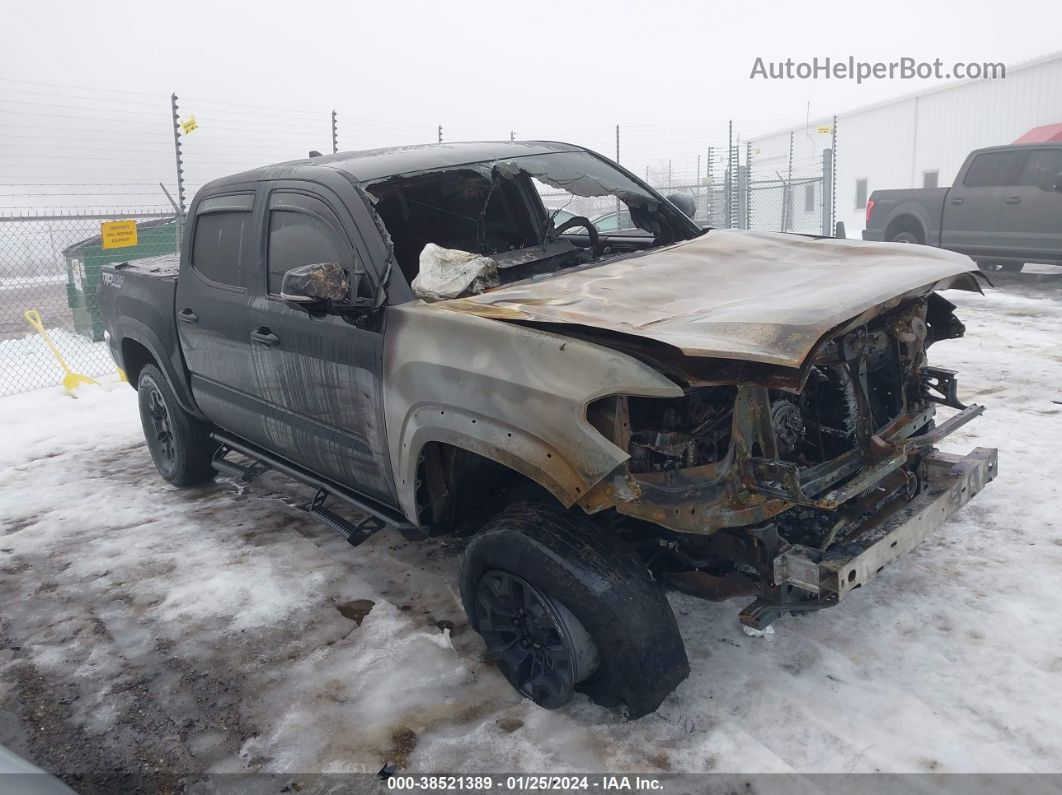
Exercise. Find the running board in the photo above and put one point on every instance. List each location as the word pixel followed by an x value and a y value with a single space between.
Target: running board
pixel 354 533
pixel 244 472
pixel 379 516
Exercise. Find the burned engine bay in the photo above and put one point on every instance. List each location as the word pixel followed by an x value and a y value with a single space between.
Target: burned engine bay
pixel 462 230
pixel 814 462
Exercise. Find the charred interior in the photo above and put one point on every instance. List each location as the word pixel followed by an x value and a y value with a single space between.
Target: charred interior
pixel 493 214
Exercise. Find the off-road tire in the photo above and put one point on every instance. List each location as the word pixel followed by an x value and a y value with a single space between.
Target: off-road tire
pixel 602 582
pixel 180 445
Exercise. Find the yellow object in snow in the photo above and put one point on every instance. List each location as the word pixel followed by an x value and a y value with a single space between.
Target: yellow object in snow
pixel 71 380
pixel 189 124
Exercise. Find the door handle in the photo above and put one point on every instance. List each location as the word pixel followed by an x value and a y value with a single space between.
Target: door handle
pixel 188 316
pixel 263 335
pixel 1012 199
pixel 957 200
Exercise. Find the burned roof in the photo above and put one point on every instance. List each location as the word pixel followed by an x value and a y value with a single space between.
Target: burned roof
pixel 374 164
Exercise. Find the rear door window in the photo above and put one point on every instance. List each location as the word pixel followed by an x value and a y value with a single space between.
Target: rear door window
pixel 224 238
pixel 994 169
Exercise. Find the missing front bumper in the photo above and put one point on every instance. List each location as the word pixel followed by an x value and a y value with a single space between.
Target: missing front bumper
pixel 951 482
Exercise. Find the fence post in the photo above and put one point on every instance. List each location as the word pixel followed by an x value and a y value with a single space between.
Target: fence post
pixel 730 176
pixel 708 186
pixel 617 163
pixel 827 192
pixel 335 133
pixel 175 115
pixel 833 176
pixel 748 185
pixel 787 197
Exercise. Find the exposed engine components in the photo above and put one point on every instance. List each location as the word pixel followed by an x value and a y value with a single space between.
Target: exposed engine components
pixel 680 432
pixel 788 426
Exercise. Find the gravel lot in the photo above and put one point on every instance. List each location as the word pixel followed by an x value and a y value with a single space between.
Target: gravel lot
pixel 146 630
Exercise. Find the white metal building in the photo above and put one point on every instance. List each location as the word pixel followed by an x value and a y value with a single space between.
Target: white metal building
pixel 917 140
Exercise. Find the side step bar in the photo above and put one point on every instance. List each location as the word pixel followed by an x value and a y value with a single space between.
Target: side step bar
pixel 354 533
pixel 379 516
pixel 246 473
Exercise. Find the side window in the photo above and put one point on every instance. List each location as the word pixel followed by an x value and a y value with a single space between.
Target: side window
pixel 224 230
pixel 861 194
pixel 1042 168
pixel 993 169
pixel 302 231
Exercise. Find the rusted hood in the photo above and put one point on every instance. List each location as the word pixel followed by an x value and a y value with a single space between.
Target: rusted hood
pixel 753 296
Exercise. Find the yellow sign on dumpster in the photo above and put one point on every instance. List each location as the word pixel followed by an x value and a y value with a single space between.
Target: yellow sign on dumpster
pixel 118 234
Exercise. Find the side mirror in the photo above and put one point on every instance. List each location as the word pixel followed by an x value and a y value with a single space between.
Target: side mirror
pixel 1058 182
pixel 685 203
pixel 322 281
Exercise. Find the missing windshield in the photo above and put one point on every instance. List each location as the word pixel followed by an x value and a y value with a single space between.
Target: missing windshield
pixel 497 210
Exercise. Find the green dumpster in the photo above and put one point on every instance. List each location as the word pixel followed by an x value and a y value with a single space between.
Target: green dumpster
pixel 85 261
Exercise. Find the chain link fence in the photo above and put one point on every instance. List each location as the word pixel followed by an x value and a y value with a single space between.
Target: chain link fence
pixel 50 267
pixel 790 200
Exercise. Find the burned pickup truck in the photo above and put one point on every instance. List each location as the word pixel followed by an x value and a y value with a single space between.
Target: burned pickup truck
pixel 601 415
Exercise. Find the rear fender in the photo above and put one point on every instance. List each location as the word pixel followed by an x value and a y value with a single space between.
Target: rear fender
pixel 172 365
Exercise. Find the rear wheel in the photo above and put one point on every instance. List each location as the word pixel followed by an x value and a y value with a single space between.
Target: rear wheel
pixel 905 237
pixel 180 445
pixel 564 606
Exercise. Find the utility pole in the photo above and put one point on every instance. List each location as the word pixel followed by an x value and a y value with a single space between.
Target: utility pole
pixel 512 135
pixel 440 133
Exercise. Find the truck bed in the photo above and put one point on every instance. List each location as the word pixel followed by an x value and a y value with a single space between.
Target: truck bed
pixel 926 205
pixel 164 266
pixel 136 301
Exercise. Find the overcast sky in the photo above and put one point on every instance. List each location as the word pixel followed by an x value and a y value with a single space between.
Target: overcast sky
pixel 671 74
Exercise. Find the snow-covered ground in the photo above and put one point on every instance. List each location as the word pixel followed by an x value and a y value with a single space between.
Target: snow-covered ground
pixel 219 629
pixel 27 362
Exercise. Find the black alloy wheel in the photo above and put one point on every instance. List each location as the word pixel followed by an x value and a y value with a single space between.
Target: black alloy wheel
pixel 538 645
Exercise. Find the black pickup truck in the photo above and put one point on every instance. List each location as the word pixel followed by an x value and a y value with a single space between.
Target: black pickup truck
pixel 599 414
pixel 1004 209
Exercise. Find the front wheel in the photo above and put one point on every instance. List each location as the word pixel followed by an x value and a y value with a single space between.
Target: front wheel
pixel 564 606
pixel 538 645
pixel 180 445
